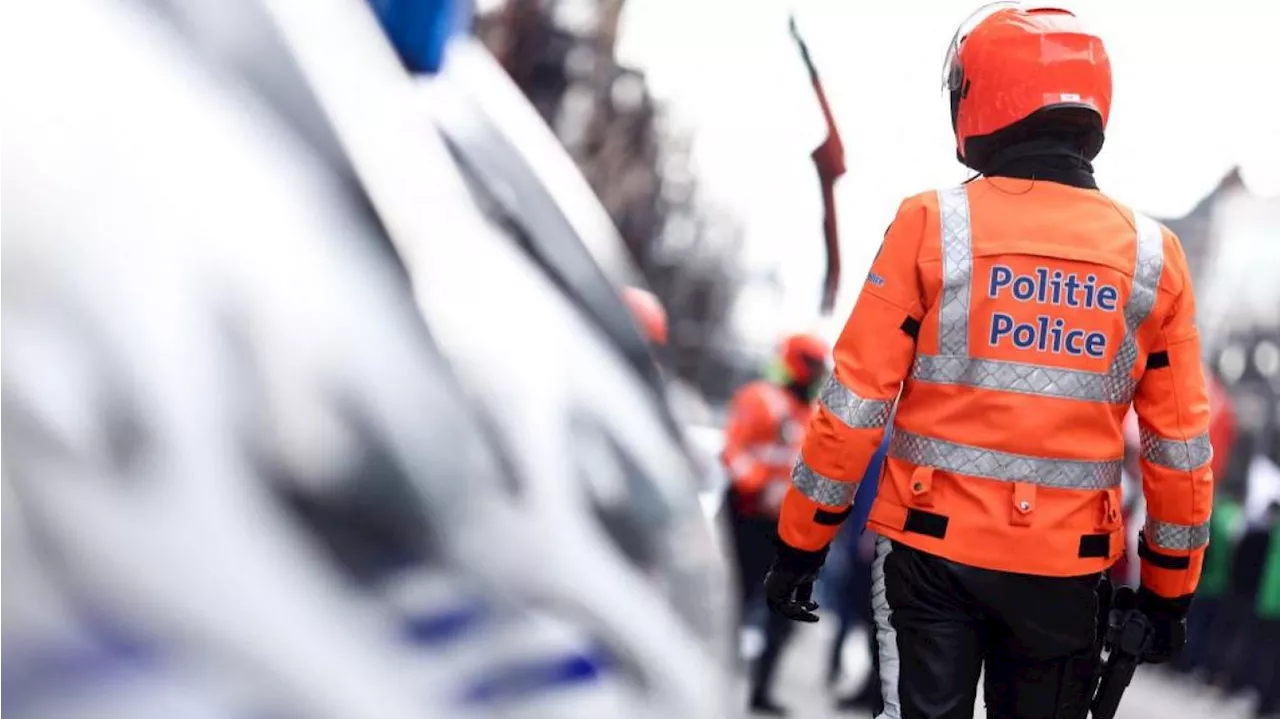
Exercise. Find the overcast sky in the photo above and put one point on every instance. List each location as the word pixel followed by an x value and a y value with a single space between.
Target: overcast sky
pixel 1194 96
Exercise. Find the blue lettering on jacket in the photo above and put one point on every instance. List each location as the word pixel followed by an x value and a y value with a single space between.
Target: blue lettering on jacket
pixel 1050 287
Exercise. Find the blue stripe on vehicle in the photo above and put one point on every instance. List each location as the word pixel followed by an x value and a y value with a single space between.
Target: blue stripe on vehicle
pixel 517 680
pixel 446 626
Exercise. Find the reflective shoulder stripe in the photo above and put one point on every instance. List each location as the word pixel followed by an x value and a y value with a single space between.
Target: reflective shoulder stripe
pixel 1175 453
pixel 778 405
pixel 854 411
pixel 741 466
pixel 957 268
pixel 1148 264
pixel 953 365
pixel 1183 537
pixel 1004 466
pixel 822 489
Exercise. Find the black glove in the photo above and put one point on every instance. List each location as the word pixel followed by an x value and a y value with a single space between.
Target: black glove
pixel 1168 619
pixel 788 587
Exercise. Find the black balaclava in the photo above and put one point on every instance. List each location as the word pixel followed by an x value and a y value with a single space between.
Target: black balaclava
pixel 1054 144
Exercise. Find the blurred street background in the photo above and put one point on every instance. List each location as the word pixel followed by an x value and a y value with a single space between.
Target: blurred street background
pixel 407 335
pixel 694 123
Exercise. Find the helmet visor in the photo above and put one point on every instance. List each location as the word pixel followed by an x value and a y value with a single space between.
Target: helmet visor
pixel 952 76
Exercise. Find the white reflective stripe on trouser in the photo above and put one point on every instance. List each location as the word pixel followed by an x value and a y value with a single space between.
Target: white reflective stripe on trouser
pixel 886 635
pixel 953 363
pixel 820 488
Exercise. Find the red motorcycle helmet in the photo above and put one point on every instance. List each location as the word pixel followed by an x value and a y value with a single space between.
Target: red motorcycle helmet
pixel 1012 67
pixel 804 356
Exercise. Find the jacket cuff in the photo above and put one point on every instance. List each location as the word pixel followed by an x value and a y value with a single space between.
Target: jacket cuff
pixel 799 559
pixel 1156 558
pixel 1158 608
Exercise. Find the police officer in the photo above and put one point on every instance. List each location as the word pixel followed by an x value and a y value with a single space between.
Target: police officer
pixel 1013 320
pixel 763 434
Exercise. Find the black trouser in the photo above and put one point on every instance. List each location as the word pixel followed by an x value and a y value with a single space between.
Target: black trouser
pixel 1229 639
pixel 753 537
pixel 855 588
pixel 939 623
pixel 1235 631
pixel 1267 673
pixel 1195 655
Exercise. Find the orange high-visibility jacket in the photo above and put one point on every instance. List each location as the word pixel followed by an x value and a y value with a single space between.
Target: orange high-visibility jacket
pixel 762 437
pixel 1014 322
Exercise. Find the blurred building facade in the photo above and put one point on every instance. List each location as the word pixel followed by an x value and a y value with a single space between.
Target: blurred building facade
pixel 561 55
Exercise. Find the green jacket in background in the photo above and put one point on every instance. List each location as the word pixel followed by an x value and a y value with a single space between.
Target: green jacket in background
pixel 1269 590
pixel 1216 575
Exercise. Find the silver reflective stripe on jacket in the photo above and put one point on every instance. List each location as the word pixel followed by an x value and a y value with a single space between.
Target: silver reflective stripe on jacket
pixel 821 489
pixel 1004 466
pixel 773 454
pixel 1184 537
pixel 854 411
pixel 957 269
pixel 1175 453
pixel 953 365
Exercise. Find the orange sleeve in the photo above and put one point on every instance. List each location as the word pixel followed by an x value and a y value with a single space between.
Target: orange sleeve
pixel 1172 405
pixel 872 358
pixel 750 426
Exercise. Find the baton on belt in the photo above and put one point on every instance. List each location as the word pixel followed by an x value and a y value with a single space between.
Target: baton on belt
pixel 1128 636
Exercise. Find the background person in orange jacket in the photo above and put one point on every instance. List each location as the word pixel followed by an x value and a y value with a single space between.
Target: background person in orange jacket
pixel 762 440
pixel 1013 320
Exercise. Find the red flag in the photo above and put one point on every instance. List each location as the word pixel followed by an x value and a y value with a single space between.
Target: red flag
pixel 829 160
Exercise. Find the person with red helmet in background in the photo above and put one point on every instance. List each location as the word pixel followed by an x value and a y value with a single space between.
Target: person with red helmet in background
pixel 762 440
pixel 1011 321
